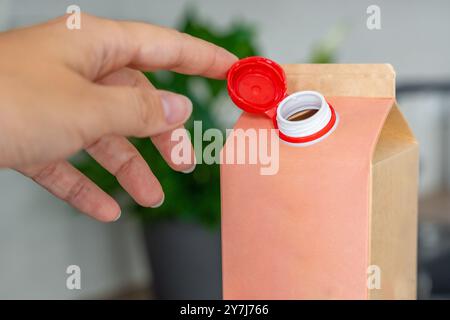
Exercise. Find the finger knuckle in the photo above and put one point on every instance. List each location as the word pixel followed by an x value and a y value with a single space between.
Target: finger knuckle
pixel 126 166
pixel 212 59
pixel 177 57
pixel 48 173
pixel 77 191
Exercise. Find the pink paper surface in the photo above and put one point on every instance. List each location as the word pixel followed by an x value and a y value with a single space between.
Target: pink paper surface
pixel 303 233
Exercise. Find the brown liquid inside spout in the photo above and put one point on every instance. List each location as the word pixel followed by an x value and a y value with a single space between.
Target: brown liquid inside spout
pixel 302 115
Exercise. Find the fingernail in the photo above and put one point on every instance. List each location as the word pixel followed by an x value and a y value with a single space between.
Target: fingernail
pixel 118 216
pixel 159 203
pixel 177 108
pixel 191 168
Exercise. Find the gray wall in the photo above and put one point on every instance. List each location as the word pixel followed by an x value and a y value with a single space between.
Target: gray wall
pixel 40 236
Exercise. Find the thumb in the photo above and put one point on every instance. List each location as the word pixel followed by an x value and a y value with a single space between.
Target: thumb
pixel 176 108
pixel 142 112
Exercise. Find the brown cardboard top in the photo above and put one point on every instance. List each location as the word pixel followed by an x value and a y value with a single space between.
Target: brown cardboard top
pixel 357 80
pixel 395 137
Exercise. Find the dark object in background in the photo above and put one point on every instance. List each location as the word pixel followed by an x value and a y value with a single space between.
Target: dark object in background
pixel 434 251
pixel 434 209
pixel 185 260
pixel 438 270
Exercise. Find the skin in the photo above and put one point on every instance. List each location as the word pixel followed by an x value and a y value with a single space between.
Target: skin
pixel 65 90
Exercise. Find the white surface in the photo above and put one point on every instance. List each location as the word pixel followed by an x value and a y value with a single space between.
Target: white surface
pixel 40 236
pixel 412 37
pixel 301 101
pixel 425 113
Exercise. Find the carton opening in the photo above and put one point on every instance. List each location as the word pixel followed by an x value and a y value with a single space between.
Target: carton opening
pixel 301 105
pixel 302 115
pixel 305 114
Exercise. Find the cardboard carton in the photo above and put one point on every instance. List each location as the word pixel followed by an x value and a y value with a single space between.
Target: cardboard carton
pixel 339 219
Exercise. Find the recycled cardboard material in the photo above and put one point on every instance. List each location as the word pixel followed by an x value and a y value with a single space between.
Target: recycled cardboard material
pixel 334 208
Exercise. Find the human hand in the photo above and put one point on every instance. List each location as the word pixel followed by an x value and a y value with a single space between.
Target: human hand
pixel 65 90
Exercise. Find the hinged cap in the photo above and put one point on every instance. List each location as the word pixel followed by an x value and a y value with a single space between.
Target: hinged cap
pixel 257 85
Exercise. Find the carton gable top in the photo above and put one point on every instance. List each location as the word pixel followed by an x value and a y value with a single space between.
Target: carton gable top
pixel 357 80
pixel 352 80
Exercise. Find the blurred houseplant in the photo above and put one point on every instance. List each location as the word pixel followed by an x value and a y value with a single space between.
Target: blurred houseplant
pixel 182 235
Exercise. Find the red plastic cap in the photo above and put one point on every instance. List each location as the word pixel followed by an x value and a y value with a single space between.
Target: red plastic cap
pixel 256 84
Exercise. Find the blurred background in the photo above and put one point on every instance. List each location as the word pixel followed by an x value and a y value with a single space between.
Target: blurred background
pixel 174 251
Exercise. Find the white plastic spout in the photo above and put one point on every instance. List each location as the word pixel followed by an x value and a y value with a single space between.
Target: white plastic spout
pixel 300 102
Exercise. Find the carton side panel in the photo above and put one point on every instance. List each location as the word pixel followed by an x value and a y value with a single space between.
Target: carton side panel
pixel 394 137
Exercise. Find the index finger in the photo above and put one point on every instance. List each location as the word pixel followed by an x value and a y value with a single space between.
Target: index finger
pixel 104 46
